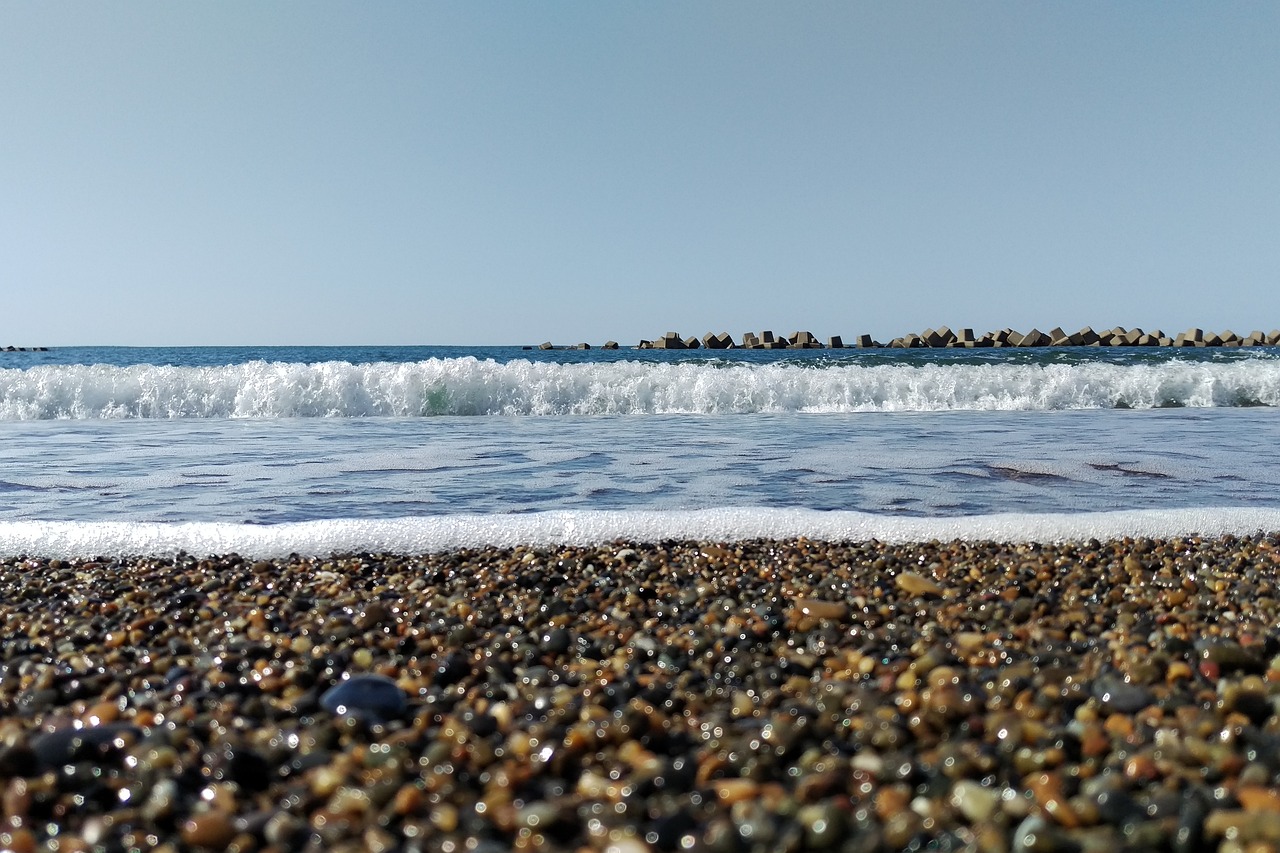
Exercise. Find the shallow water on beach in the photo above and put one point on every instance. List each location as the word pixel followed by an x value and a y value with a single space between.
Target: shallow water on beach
pixel 271 471
pixel 932 447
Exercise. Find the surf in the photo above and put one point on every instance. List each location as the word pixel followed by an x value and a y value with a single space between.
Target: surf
pixel 472 387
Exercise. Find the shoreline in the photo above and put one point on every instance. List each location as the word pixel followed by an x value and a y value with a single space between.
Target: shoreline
pixel 759 694
pixel 582 528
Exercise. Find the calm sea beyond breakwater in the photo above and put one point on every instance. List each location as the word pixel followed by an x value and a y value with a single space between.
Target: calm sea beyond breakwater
pixel 991 598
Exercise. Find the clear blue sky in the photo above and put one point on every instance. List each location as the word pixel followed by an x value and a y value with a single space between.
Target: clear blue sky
pixel 505 173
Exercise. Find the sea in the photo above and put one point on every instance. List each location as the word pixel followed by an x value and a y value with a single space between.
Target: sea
pixel 270 451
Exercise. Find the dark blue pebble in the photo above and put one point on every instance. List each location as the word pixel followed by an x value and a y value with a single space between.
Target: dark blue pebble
pixel 1118 695
pixel 370 698
pixel 95 744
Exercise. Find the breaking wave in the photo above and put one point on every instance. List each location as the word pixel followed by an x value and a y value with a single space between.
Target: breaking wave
pixel 480 387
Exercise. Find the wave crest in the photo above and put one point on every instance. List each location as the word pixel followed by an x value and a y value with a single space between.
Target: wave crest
pixel 474 387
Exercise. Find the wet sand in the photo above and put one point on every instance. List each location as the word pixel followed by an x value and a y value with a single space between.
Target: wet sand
pixel 753 696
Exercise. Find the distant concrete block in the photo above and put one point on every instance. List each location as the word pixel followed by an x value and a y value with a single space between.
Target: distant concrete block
pixel 1085 337
pixel 546 345
pixel 725 340
pixel 938 337
pixel 671 340
pixel 835 342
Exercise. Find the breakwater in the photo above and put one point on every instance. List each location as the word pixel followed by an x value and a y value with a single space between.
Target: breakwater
pixel 944 337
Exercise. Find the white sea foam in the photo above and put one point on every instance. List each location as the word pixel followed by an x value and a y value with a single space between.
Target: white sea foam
pixel 428 534
pixel 470 386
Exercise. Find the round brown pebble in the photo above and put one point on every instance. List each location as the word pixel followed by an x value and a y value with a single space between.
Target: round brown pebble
pixel 209 831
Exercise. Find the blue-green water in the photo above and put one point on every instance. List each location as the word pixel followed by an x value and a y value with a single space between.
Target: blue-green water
pixel 333 436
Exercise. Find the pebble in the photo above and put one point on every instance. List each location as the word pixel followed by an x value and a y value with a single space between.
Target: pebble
pixel 756 695
pixel 556 641
pixel 1256 798
pixel 209 831
pixel 1037 835
pixel 835 610
pixel 1231 656
pixel 918 584
pixel 1243 825
pixel 93 744
pixel 1119 696
pixel 976 801
pixel 369 698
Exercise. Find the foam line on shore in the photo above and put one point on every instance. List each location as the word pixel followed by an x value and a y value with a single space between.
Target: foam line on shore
pixel 437 533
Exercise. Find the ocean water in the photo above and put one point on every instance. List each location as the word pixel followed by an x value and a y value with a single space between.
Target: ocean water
pixel 276 450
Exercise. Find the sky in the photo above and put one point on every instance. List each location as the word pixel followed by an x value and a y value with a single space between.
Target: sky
pixel 509 173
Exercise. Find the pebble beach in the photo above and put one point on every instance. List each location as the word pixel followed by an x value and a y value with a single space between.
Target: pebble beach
pixel 750 696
